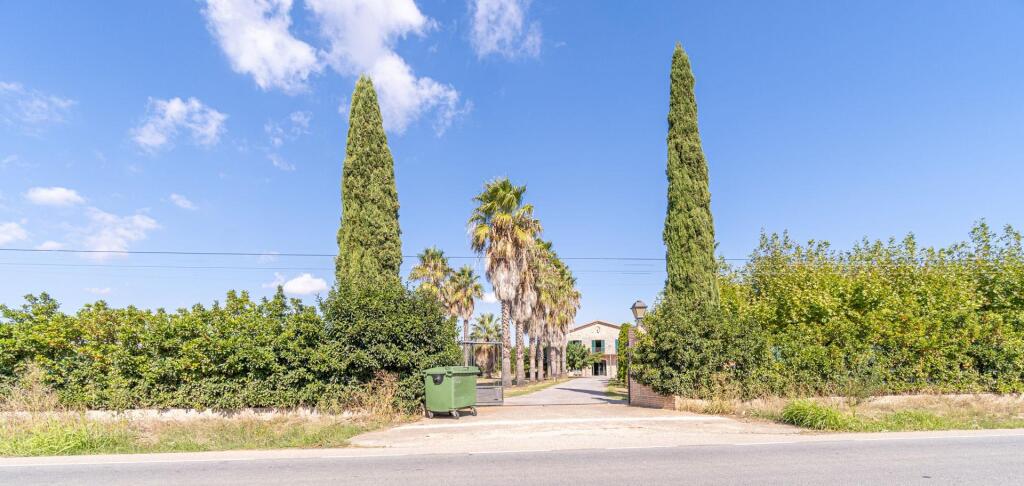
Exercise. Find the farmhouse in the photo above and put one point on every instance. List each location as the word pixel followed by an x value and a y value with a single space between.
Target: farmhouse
pixel 598 337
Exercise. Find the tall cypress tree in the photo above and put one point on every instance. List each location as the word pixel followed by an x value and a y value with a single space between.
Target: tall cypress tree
pixel 689 230
pixel 369 239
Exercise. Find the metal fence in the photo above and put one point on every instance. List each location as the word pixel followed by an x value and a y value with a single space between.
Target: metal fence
pixel 485 355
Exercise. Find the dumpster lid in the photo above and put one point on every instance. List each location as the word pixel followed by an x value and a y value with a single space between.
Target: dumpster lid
pixel 452 370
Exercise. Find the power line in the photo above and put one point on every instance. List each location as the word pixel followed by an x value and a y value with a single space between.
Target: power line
pixel 183 267
pixel 868 263
pixel 271 254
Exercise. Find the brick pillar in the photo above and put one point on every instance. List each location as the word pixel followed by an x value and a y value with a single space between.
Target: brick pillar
pixel 640 395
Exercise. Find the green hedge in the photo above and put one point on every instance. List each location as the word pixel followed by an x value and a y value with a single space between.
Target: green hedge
pixel 242 353
pixel 886 317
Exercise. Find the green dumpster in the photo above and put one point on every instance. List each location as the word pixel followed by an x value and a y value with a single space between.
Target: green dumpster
pixel 449 389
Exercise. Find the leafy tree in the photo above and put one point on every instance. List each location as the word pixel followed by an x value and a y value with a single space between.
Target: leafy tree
pixel 689 230
pixel 503 230
pixel 369 245
pixel 622 348
pixel 389 329
pixel 579 357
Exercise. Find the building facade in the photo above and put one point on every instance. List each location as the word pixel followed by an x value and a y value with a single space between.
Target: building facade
pixel 598 337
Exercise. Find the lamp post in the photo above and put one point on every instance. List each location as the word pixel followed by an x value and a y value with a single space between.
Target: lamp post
pixel 639 311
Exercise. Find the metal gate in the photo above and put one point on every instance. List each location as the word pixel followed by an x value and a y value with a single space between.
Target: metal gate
pixel 485 355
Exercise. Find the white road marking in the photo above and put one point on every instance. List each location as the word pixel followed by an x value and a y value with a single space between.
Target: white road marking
pixel 102 462
pixel 491 423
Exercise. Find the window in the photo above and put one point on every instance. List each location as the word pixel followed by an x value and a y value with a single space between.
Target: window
pixel 597 346
pixel 577 341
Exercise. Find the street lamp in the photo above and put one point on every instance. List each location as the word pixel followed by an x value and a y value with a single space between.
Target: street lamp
pixel 639 311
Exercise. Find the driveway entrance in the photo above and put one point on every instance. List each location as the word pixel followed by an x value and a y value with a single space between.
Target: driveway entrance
pixel 577 391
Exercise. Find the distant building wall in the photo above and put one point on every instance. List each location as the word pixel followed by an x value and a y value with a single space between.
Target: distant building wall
pixel 587 333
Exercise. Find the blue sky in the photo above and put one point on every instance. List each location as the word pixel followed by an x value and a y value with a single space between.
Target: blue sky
pixel 220 126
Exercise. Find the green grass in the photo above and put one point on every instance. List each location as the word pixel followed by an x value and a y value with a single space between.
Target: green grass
pixel 78 435
pixel 813 415
pixel 531 387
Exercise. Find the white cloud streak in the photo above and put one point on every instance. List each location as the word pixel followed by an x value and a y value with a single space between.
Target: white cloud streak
pixel 296 125
pixel 110 232
pixel 280 162
pixel 30 110
pixel 50 245
pixel 500 27
pixel 182 202
pixel 11 232
pixel 305 284
pixel 255 36
pixel 53 196
pixel 165 117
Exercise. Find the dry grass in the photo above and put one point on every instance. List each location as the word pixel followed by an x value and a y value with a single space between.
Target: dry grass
pixel 875 414
pixel 33 423
pixel 29 394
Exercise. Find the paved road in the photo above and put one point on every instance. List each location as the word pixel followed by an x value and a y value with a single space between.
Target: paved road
pixel 941 460
pixel 577 391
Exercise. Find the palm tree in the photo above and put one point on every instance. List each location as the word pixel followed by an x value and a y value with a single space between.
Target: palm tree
pixel 461 290
pixel 545 284
pixel 431 272
pixel 522 310
pixel 503 229
pixel 486 329
pixel 558 301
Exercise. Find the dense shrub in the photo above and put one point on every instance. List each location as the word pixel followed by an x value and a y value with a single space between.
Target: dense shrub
pixel 881 318
pixel 701 353
pixel 388 329
pixel 271 353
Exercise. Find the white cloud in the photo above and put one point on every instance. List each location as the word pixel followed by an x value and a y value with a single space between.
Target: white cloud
pixel 11 232
pixel 110 232
pixel 280 163
pixel 165 117
pixel 50 245
pixel 500 27
pixel 300 120
pixel 490 298
pixel 254 35
pixel 296 125
pixel 29 109
pixel 361 35
pixel 54 196
pixel 98 290
pixel 278 281
pixel 182 202
pixel 8 160
pixel 304 284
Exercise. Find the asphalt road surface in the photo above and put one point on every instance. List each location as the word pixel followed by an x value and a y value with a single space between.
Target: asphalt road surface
pixel 943 460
